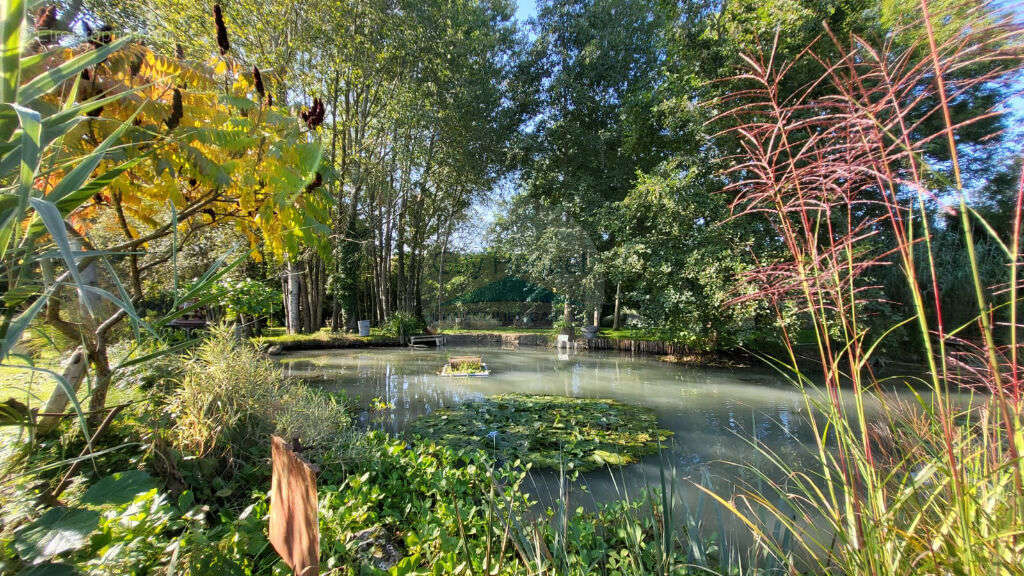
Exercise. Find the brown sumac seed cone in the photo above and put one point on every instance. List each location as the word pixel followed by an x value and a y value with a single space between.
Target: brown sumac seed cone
pixel 257 79
pixel 177 111
pixel 222 30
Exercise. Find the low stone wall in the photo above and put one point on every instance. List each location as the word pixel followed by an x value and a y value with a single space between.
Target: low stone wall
pixel 504 340
pixel 633 346
pixel 511 341
pixel 516 340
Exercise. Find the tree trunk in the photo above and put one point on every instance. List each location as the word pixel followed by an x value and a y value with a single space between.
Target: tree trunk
pixel 133 257
pixel 294 298
pixel 440 276
pixel 284 299
pixel 567 318
pixel 401 281
pixel 74 372
pixel 101 369
pixel 318 290
pixel 417 274
pixel 615 314
pixel 311 322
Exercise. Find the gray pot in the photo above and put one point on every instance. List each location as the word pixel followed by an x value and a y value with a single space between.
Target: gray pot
pixel 364 327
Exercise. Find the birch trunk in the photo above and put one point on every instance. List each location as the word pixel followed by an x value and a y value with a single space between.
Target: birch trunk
pixel 615 314
pixel 74 372
pixel 294 312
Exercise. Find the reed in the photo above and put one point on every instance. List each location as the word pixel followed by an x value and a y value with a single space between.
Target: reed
pixel 853 171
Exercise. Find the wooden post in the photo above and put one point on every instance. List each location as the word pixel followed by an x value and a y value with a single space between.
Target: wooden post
pixel 294 529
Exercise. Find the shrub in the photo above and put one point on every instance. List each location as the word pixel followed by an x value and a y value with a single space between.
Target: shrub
pixel 478 321
pixel 232 398
pixel 248 300
pixel 402 325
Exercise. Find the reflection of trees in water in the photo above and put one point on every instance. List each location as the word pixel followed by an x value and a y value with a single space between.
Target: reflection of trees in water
pixel 716 415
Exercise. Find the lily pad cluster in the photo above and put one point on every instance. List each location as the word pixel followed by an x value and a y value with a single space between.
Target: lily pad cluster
pixel 548 431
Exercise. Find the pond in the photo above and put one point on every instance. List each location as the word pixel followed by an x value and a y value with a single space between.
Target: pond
pixel 714 413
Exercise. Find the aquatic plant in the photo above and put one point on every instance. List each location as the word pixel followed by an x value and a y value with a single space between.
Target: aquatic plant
pixel 556 432
pixel 463 365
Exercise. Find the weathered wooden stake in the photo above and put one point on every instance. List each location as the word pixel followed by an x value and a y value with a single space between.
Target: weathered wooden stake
pixel 294 530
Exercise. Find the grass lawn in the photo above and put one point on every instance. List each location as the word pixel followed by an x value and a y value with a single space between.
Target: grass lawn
pixel 500 330
pixel 326 336
pixel 19 381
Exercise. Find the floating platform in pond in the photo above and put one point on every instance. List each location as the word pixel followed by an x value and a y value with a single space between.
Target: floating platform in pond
pixel 465 366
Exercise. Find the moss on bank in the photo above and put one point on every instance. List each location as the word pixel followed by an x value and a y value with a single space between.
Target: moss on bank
pixel 322 339
pixel 548 431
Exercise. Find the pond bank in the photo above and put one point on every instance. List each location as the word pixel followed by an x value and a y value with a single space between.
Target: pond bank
pixel 667 351
pixel 323 341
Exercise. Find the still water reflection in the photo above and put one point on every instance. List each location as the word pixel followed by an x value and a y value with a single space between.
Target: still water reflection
pixel 713 413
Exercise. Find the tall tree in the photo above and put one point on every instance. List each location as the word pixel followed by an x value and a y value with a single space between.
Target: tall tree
pixel 596 121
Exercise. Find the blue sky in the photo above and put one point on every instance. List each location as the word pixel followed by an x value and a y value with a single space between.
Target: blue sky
pixel 484 213
pixel 525 9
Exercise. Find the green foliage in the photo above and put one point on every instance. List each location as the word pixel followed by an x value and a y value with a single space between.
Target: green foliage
pixel 248 298
pixel 122 524
pixel 463 366
pixel 682 263
pixel 118 488
pixel 402 325
pixel 32 229
pixel 231 398
pixel 508 289
pixel 322 339
pixel 476 321
pixel 57 531
pixel 548 431
pixel 211 433
pixel 545 245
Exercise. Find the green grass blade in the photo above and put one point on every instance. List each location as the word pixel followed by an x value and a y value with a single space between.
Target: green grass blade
pixel 74 179
pixel 50 79
pixel 31 129
pixel 19 324
pixel 181 346
pixel 75 198
pixel 10 60
pixel 55 224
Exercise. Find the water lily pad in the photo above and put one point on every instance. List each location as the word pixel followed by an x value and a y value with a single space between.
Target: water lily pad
pixel 548 431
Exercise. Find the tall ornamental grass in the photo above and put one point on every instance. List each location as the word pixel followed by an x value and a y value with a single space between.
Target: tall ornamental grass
pixel 858 169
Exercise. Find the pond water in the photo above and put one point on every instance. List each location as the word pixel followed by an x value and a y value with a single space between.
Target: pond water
pixel 714 414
